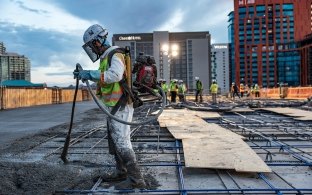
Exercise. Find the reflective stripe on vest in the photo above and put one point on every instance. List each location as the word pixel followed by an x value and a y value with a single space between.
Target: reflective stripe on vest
pixel 111 92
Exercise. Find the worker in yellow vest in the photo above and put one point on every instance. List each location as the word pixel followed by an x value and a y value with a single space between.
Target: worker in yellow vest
pixel 214 90
pixel 110 91
pixel 241 89
pixel 164 86
pixel 181 91
pixel 173 90
pixel 256 90
pixel 199 90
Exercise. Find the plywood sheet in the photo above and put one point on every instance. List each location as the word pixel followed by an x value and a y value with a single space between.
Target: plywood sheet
pixel 222 153
pixel 299 114
pixel 208 145
pixel 242 110
pixel 201 131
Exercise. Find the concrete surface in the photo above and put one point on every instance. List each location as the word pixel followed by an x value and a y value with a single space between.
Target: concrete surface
pixel 17 123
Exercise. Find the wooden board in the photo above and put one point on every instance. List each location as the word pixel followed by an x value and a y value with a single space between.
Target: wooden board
pixel 242 110
pixel 208 145
pixel 222 153
pixel 299 114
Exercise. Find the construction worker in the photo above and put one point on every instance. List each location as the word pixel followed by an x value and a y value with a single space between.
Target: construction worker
pixel 247 91
pixel 199 90
pixel 256 90
pixel 181 91
pixel 108 77
pixel 173 90
pixel 164 87
pixel 242 89
pixel 214 90
pixel 234 90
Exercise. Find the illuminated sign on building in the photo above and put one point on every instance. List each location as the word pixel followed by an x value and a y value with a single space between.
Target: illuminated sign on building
pixel 244 2
pixel 220 46
pixel 129 38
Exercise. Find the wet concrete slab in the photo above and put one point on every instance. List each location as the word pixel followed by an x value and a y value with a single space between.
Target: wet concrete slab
pixel 17 123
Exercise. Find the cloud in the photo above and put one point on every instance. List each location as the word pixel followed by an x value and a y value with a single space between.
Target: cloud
pixel 37 14
pixel 174 22
pixel 50 32
pixel 22 5
pixel 58 71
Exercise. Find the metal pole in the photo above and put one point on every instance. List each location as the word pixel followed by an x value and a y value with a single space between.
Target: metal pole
pixel 1 95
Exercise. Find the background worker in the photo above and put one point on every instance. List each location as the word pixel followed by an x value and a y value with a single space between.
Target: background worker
pixel 256 90
pixel 234 90
pixel 173 90
pixel 214 90
pixel 181 91
pixel 199 90
pixel 247 91
pixel 164 86
pixel 241 89
pixel 110 91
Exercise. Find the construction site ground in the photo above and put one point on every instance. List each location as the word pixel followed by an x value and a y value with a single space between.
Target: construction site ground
pixel 34 137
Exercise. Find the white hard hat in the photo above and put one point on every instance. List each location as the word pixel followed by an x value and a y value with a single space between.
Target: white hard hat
pixel 180 81
pixel 92 34
pixel 196 78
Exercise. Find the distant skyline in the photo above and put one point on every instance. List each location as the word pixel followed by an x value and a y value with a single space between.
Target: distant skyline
pixel 50 32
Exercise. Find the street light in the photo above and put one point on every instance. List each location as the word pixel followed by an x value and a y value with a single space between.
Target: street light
pixel 170 51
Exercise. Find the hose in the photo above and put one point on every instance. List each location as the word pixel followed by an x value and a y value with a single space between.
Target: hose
pixel 67 140
pixel 107 111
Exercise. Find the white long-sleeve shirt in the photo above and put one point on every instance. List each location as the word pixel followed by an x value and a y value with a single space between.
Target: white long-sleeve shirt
pixel 115 72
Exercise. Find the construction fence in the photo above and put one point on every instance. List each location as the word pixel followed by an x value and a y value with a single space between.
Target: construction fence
pixel 25 97
pixel 286 92
pixel 266 93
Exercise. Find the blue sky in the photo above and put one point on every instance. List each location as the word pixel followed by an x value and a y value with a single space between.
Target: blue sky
pixel 49 32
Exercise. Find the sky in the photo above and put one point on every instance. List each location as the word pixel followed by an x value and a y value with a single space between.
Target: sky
pixel 50 32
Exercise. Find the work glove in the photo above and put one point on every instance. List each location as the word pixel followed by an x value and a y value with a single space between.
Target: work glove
pixel 84 75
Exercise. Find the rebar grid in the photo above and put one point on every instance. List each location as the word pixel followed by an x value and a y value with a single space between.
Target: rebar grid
pixel 265 133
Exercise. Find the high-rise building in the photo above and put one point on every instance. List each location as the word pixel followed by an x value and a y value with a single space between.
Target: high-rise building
pixel 306 60
pixel 266 36
pixel 220 66
pixel 13 66
pixel 2 48
pixel 231 47
pixel 178 55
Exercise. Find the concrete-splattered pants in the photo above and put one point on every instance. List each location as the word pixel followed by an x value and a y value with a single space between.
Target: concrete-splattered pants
pixel 118 133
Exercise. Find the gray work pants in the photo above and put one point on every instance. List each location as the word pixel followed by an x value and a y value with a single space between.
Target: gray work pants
pixel 214 98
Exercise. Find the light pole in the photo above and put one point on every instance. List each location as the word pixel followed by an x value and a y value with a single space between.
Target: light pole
pixel 169 51
pixel 1 95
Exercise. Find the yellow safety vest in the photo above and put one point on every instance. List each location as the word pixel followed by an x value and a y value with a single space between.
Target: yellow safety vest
pixel 256 88
pixel 164 87
pixel 214 88
pixel 181 89
pixel 109 93
pixel 173 86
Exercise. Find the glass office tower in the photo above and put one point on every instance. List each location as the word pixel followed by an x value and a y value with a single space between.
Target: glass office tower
pixel 266 33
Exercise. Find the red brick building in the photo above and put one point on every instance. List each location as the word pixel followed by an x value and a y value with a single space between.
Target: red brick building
pixel 266 38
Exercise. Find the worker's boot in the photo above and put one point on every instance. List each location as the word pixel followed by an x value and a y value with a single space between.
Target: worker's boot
pixel 119 174
pixel 135 178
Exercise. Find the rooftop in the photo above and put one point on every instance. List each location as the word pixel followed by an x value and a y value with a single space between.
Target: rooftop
pixel 279 132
